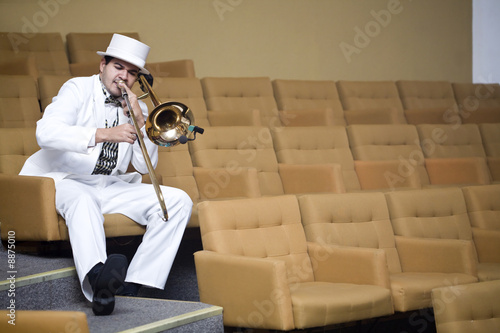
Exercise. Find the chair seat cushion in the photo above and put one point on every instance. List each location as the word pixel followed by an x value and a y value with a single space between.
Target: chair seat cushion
pixel 322 303
pixel 412 291
pixel 488 271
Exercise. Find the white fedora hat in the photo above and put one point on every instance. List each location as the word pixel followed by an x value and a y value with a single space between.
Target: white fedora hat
pixel 129 50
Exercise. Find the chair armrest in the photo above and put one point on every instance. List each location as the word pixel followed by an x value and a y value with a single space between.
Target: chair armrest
pixel 343 264
pixel 226 183
pixel 245 287
pixel 374 175
pixel 460 170
pixel 487 244
pixel 436 255
pixel 311 178
pixel 27 207
pixel 231 118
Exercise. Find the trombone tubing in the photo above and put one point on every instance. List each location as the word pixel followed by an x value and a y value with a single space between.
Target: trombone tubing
pixel 151 170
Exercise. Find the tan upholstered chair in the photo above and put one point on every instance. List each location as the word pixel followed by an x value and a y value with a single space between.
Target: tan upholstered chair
pixel 28 206
pixel 257 265
pixel 308 103
pixel 240 101
pixel 240 161
pixel 428 102
pixel 434 215
pixel 371 102
pixel 19 105
pixel 47 48
pixel 48 87
pixel 480 103
pixel 361 220
pixel 490 134
pixel 471 308
pixel 454 154
pixel 387 156
pixel 483 206
pixel 45 321
pixel 316 145
pixel 22 66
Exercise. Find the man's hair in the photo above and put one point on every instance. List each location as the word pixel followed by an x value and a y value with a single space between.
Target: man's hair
pixel 107 59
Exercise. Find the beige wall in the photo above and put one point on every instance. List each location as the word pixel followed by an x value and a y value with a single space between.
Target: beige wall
pixel 288 39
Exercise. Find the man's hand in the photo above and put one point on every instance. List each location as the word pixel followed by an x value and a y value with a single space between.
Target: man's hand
pixel 120 133
pixel 134 102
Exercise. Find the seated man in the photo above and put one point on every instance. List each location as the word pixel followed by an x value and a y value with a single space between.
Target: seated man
pixel 86 145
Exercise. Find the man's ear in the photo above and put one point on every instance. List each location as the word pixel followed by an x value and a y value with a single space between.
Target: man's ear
pixel 102 64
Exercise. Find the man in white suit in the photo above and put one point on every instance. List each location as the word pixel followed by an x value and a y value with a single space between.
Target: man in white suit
pixel 87 144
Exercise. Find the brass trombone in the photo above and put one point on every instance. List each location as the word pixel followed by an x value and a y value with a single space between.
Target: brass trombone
pixel 167 125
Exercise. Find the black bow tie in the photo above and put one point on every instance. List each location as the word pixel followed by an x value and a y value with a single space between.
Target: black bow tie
pixel 113 100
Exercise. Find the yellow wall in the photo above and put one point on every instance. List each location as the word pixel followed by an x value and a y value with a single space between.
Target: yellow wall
pixel 287 39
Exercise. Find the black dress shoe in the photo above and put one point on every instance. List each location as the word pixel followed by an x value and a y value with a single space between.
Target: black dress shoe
pixel 109 279
pixel 129 289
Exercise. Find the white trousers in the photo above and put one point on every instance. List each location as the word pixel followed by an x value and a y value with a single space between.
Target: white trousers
pixel 82 201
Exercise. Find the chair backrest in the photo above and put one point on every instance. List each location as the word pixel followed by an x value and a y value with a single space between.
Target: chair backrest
pixel 428 101
pixel 426 94
pixel 480 102
pixel 19 106
pixel 312 96
pixel 267 227
pixel 483 205
pixel 242 95
pixel 429 213
pixel 316 145
pixel 397 142
pixel 184 90
pixel 350 219
pixel 176 170
pixel 47 48
pixel 490 135
pixel 467 308
pixel 48 86
pixel 17 144
pixel 236 148
pixel 83 46
pixel 174 68
pixel 445 141
pixel 376 96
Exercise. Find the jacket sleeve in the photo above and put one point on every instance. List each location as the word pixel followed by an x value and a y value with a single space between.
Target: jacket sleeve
pixel 57 130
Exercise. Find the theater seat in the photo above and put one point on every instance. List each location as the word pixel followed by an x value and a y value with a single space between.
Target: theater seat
pixel 361 221
pixel 371 102
pixel 256 258
pixel 308 103
pixel 470 308
pixel 44 321
pixel 19 105
pixel 237 98
pixel 480 102
pixel 483 207
pixel 428 102
pixel 28 207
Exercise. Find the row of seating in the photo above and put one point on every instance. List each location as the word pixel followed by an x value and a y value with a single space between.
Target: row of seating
pixel 45 53
pixel 252 161
pixel 293 262
pixel 259 101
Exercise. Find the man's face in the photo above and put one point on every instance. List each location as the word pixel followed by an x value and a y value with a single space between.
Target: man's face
pixel 115 71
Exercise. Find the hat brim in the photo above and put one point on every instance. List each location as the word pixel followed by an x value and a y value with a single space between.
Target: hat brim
pixel 103 54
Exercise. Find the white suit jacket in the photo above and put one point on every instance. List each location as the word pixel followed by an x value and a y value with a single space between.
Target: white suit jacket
pixel 68 125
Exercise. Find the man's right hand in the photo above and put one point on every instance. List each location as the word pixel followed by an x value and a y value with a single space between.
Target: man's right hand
pixel 120 133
